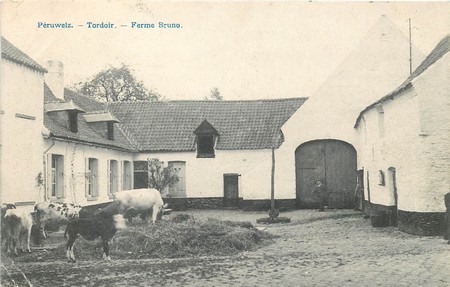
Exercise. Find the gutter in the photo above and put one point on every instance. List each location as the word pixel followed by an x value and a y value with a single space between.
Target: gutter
pixel 67 139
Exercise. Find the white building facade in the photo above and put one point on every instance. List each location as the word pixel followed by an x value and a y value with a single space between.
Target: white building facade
pixel 405 143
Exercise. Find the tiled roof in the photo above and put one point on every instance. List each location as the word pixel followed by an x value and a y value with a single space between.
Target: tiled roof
pixel 85 133
pixel 442 48
pixel 10 52
pixel 86 103
pixel 170 126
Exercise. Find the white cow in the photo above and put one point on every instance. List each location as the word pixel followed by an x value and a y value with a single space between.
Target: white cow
pixel 17 224
pixel 141 200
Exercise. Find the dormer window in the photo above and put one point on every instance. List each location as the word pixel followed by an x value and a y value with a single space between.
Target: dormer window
pixel 205 146
pixel 206 137
pixel 73 121
pixel 102 122
pixel 110 128
pixel 64 113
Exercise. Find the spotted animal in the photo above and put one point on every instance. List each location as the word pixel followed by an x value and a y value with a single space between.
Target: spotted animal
pixel 47 211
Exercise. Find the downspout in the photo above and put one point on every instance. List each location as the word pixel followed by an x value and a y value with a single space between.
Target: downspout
pixel 45 167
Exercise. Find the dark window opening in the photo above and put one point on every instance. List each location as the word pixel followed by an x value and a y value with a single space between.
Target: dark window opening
pixel 73 121
pixel 205 146
pixel 110 127
pixel 141 174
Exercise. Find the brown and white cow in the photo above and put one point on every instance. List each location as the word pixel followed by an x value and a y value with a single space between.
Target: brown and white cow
pixel 55 211
pixel 140 201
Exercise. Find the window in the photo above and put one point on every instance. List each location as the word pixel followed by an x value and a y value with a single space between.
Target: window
pixel 126 176
pixel 178 189
pixel 73 121
pixel 140 174
pixel 110 130
pixel 380 121
pixel 56 189
pixel 205 146
pixel 113 179
pixel 91 178
pixel 206 139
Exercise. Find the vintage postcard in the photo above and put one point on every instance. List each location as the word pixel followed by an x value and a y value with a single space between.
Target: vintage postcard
pixel 216 143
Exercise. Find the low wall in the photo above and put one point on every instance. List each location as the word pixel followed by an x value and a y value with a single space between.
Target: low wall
pixel 218 203
pixel 417 223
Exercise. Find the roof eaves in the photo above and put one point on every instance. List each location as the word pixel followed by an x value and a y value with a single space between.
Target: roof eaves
pixel 62 106
pixel 73 139
pixel 14 54
pixel 405 86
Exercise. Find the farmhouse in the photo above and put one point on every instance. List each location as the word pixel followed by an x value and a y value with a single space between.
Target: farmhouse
pixel 22 124
pixel 86 150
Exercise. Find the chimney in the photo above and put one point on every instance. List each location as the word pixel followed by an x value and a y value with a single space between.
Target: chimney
pixel 55 78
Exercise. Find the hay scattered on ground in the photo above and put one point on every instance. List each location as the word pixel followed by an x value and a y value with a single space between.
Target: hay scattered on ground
pixel 177 237
pixel 184 237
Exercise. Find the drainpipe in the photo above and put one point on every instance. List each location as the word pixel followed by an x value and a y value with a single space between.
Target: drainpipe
pixel 45 166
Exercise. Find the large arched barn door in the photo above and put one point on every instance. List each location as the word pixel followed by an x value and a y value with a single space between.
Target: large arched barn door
pixel 330 160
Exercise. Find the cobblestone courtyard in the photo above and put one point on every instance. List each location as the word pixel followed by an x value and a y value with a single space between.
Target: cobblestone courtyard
pixel 331 248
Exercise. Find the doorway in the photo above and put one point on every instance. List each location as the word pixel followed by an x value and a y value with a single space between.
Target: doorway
pixel 231 190
pixel 393 191
pixel 333 162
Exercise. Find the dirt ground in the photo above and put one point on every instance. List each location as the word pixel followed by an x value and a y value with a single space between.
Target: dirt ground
pixel 331 248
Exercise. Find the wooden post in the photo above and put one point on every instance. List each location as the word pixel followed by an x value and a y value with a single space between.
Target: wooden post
pixel 272 184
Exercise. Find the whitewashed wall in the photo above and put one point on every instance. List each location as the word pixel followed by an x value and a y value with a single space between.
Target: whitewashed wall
pixel 204 176
pixel 434 102
pixel 374 68
pixel 22 92
pixel 75 155
pixel 416 143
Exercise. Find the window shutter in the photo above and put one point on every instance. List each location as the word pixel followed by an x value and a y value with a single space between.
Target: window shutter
pixel 94 178
pixel 115 178
pixel 87 177
pixel 108 177
pixel 122 177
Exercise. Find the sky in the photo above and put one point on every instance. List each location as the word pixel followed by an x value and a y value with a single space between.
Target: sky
pixel 248 50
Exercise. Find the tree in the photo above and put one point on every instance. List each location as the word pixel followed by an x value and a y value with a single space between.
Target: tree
pixel 215 95
pixel 116 85
pixel 160 176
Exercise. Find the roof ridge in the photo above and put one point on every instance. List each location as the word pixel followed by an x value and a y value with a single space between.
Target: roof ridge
pixel 210 101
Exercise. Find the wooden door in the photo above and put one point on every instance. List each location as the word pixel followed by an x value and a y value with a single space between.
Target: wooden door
pixel 231 190
pixel 332 161
pixel 393 189
pixel 360 196
pixel 178 189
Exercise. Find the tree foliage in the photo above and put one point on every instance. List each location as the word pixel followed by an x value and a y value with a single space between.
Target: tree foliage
pixel 116 85
pixel 215 95
pixel 160 176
